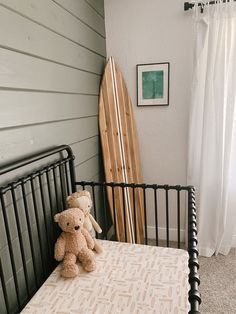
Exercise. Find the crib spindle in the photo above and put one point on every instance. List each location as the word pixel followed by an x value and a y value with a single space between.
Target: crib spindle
pixel 4 288
pixel 35 207
pixel 29 229
pixel 105 211
pixel 113 206
pixel 156 214
pixel 167 215
pixel 145 213
pixel 62 185
pixel 135 215
pixel 68 191
pixel 45 216
pixel 124 211
pixel 13 262
pixel 178 215
pixel 21 242
pixel 56 188
pixel 94 202
pixel 50 197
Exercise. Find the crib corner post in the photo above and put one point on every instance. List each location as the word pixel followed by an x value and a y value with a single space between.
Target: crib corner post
pixel 194 281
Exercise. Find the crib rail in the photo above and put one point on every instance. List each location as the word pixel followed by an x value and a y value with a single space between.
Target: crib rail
pixel 181 196
pixel 27 207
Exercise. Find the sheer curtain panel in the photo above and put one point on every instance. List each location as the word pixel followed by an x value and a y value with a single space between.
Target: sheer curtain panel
pixel 212 128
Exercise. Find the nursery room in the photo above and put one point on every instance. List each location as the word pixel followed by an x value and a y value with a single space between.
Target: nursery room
pixel 117 156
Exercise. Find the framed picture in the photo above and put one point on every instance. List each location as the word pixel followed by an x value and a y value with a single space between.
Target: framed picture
pixel 153 84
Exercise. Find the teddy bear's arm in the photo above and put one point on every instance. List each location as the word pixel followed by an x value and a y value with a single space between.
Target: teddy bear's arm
pixel 95 224
pixel 88 238
pixel 59 251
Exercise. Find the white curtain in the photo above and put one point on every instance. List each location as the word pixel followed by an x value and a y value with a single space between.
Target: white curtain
pixel 212 128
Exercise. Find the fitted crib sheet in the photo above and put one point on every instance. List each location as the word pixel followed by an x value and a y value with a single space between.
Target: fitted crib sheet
pixel 129 278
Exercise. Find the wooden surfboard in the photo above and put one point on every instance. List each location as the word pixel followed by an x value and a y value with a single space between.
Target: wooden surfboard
pixel 121 154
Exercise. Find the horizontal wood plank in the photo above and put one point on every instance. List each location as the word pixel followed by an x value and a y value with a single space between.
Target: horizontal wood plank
pixel 88 169
pixel 20 108
pixel 85 13
pixel 98 177
pixel 98 5
pixel 50 15
pixel 23 141
pixel 85 149
pixel 25 36
pixel 25 72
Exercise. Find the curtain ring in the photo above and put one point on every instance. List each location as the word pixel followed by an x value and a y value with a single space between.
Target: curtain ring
pixel 202 7
pixel 195 9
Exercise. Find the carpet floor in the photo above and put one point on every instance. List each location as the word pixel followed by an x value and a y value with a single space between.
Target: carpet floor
pixel 218 284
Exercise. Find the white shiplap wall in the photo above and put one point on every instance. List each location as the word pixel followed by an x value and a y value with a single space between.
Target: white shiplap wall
pixel 52 55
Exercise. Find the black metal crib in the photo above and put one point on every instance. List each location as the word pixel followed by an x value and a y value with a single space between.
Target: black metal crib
pixel 34 188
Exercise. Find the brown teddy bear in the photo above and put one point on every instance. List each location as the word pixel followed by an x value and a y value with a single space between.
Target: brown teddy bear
pixel 74 242
pixel 83 200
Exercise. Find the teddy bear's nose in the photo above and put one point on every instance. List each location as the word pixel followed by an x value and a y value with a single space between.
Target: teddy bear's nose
pixel 76 227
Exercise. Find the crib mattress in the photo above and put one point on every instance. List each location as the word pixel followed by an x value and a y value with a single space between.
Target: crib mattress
pixel 129 279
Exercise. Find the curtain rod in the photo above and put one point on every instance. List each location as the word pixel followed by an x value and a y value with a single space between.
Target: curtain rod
pixel 190 5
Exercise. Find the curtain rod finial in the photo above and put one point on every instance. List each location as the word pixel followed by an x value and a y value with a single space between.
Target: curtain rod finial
pixel 188 6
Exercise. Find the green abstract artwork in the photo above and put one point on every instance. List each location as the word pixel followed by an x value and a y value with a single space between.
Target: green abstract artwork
pixel 153 84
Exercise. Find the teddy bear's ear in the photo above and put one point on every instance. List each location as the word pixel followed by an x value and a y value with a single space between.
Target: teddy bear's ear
pixel 68 198
pixel 86 193
pixel 56 217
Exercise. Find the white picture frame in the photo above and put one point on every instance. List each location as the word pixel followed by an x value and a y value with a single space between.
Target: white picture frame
pixel 153 84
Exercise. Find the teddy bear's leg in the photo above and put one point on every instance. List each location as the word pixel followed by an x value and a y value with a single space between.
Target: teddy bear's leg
pixel 97 246
pixel 69 268
pixel 86 257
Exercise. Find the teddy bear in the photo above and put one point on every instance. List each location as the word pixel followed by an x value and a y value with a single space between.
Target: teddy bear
pixel 74 243
pixel 82 199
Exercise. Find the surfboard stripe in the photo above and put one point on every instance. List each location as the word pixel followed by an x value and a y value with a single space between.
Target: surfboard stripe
pixel 117 121
pixel 109 151
pixel 121 142
pixel 112 160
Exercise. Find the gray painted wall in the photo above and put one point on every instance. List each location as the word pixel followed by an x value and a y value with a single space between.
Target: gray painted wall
pixel 52 55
